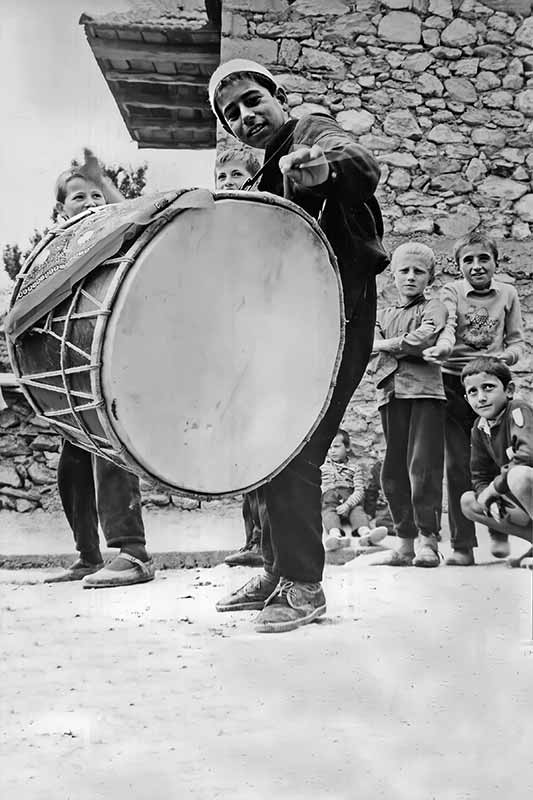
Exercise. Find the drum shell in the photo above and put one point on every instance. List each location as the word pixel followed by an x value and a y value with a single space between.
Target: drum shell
pixel 78 341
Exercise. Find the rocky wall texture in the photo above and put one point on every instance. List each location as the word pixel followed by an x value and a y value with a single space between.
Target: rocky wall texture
pixel 441 91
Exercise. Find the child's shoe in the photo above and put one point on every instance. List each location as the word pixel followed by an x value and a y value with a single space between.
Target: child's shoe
pixel 499 545
pixel 428 552
pixel 369 537
pixel 335 540
pixel 461 558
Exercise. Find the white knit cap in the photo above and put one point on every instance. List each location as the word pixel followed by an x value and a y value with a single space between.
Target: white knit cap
pixel 230 68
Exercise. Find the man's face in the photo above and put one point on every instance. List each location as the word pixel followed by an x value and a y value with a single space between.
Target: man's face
pixel 477 265
pixel 81 195
pixel 411 274
pixel 486 394
pixel 231 175
pixel 252 113
pixel 337 449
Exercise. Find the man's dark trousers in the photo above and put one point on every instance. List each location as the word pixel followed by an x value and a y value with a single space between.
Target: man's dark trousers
pixel 106 494
pixel 290 504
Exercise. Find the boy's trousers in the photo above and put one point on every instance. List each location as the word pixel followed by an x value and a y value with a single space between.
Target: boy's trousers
pixel 290 504
pixel 413 465
pixel 94 490
pixel 459 421
pixel 252 519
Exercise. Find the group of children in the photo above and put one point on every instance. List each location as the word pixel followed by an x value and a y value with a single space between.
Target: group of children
pixel 424 351
pixel 432 385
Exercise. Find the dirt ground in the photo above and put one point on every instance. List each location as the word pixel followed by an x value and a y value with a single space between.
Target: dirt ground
pixel 416 686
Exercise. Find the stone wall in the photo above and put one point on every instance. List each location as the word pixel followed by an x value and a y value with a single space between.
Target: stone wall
pixel 441 91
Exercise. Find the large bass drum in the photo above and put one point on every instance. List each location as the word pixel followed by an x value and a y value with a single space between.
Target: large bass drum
pixel 204 355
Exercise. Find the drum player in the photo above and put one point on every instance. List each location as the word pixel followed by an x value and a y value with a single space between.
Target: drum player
pixel 333 178
pixel 92 489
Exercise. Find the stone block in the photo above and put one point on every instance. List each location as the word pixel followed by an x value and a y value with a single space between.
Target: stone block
pixel 467 67
pixel 451 183
pixel 524 102
pixel 437 165
pixel 461 90
pixel 431 37
pixel 401 27
pixel 256 5
pixel 303 109
pixel 475 170
pixel 357 122
pixel 320 61
pixel 13 446
pixel 9 477
pixel 417 199
pixel 403 124
pixel 498 99
pixel 476 116
pixel 502 188
pixel 441 8
pixel 397 5
pixel 298 83
pixel 378 142
pixel 185 503
pixel 429 85
pixel 464 220
pixel 442 134
pixel 524 34
pixel 413 224
pixel 289 52
pixel 399 179
pixel 42 442
pixel 488 137
pixel 346 28
pixel 23 505
pixel 41 475
pixel 263 50
pixel 318 8
pixel 459 33
pixel 524 208
pixel 405 160
pixel 289 29
pixel 520 231
pixel 510 119
pixel 417 62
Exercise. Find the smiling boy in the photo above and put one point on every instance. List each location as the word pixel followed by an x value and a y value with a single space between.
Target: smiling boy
pixel 325 171
pixel 487 320
pixel 501 461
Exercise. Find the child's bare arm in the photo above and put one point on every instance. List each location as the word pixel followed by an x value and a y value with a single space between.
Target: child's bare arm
pixel 446 339
pixel 514 333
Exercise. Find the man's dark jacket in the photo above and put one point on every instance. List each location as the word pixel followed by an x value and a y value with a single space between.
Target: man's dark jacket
pixel 352 218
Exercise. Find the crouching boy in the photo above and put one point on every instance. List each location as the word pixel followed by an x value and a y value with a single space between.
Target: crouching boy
pixel 501 452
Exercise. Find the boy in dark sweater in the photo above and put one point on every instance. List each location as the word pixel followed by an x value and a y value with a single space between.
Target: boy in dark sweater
pixel 328 174
pixel 501 461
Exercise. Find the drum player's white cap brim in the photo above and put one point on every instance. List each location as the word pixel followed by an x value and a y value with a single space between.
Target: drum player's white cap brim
pixel 230 68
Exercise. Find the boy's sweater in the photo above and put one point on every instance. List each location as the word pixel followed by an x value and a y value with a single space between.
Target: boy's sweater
pixel 402 372
pixel 501 444
pixel 486 322
pixel 343 475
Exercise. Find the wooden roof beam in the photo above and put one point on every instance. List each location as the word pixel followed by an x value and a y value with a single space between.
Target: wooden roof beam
pixel 148 51
pixel 182 79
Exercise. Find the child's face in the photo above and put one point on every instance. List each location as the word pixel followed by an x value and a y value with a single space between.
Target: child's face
pixel 81 195
pixel 411 274
pixel 231 175
pixel 338 450
pixel 252 113
pixel 487 395
pixel 477 265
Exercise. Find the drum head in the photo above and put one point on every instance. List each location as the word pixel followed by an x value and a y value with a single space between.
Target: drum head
pixel 223 346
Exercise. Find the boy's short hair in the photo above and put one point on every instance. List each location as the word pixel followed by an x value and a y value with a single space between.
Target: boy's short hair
pixel 245 157
pixel 63 179
pixel 345 436
pixel 490 365
pixel 416 249
pixel 476 237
